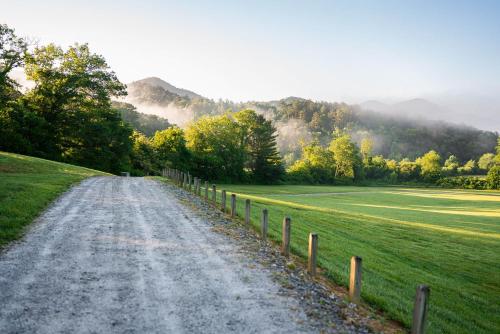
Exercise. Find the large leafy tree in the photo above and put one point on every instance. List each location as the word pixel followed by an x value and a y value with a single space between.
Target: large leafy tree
pixel 170 148
pixel 12 50
pixel 258 138
pixel 72 97
pixel 216 146
pixel 12 119
pixel 346 157
pixel 430 164
pixel 316 165
pixel 486 161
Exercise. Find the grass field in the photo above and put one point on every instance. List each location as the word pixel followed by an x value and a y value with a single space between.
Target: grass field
pixel 448 239
pixel 27 186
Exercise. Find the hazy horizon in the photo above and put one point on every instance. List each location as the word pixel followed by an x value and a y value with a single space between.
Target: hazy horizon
pixel 388 51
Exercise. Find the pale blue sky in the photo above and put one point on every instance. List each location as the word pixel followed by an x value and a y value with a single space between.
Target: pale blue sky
pixel 262 50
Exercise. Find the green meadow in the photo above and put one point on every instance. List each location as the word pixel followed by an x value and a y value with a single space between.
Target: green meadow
pixel 27 186
pixel 448 239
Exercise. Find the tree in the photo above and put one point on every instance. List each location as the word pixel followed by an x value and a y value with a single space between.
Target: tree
pixel 216 146
pixel 430 165
pixel 497 157
pixel 493 177
pixel 12 49
pixel 366 148
pixel 142 155
pixel 486 161
pixel 468 168
pixel 170 148
pixel 346 157
pixel 316 165
pixel 144 123
pixel 72 97
pixel 451 165
pixel 259 141
pixel 408 170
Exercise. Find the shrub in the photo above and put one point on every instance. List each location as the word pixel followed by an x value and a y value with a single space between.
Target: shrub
pixel 465 182
pixel 493 178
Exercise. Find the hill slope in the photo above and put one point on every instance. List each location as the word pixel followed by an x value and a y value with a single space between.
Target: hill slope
pixel 157 82
pixel 406 129
pixel 28 186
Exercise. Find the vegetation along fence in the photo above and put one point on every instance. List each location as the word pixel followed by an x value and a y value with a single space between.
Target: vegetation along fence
pixel 186 181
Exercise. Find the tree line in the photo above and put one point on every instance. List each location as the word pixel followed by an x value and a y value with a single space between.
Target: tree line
pixel 396 137
pixel 344 162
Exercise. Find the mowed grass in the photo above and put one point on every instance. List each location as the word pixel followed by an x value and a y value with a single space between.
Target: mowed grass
pixel 27 186
pixel 448 239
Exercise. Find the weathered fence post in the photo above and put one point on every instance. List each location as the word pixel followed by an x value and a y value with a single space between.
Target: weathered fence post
pixel 185 181
pixel 313 254
pixel 355 279
pixel 420 309
pixel 190 177
pixel 264 224
pixel 285 244
pixel 199 187
pixel 223 201
pixel 214 194
pixel 206 190
pixel 233 205
pixel 247 213
pixel 195 183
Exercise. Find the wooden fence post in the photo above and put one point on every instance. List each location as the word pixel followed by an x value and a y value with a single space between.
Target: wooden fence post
pixel 420 309
pixel 206 190
pixel 247 213
pixel 223 201
pixel 264 224
pixel 355 279
pixel 233 205
pixel 313 254
pixel 195 184
pixel 214 194
pixel 285 244
pixel 189 181
pixel 199 188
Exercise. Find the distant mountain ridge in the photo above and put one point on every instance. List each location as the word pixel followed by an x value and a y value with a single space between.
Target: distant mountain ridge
pixel 157 82
pixel 414 108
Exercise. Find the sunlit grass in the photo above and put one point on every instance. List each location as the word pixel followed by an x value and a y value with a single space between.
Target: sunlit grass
pixel 28 185
pixel 406 236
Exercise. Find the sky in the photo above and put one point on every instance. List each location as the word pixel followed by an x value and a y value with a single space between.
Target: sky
pixel 262 50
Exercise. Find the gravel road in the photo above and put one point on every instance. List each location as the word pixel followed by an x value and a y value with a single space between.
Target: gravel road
pixel 123 255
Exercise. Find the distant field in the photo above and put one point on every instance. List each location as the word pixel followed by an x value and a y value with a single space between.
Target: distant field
pixel 448 239
pixel 27 186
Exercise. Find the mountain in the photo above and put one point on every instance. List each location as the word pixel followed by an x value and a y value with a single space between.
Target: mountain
pixel 414 108
pixel 157 82
pixel 405 129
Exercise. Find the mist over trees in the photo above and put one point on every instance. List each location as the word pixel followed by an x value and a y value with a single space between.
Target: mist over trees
pixel 68 115
pixel 394 137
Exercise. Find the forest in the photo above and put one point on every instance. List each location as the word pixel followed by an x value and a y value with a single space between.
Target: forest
pixel 70 115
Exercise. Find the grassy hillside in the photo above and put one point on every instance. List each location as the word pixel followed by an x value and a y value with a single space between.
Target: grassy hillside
pixel 28 185
pixel 448 239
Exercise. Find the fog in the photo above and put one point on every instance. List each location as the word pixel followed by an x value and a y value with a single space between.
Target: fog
pixel 291 134
pixel 175 115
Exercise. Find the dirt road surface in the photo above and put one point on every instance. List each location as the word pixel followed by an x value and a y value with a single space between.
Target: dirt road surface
pixel 123 255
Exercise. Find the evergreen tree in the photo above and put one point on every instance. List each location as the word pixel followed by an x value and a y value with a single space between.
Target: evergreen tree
pixel 259 141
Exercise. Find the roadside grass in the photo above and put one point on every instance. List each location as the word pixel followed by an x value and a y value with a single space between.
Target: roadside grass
pixel 448 239
pixel 27 186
